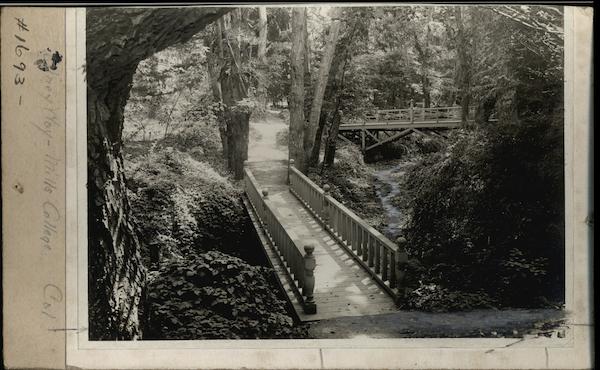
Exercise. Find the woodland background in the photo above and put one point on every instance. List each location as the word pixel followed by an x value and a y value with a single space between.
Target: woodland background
pixel 172 95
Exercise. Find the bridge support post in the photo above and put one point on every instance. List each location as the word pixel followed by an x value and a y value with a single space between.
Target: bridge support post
pixel 363 139
pixel 310 263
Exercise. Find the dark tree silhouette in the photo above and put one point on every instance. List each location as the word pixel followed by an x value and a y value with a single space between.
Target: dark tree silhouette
pixel 117 40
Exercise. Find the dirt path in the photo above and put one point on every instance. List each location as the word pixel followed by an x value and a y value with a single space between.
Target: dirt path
pixel 414 324
pixel 263 139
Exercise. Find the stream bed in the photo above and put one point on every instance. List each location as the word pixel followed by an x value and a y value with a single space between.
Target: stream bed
pixel 388 178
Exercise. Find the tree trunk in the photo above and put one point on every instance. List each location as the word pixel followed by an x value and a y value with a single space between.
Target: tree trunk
pixel 426 92
pixel 464 75
pixel 424 59
pixel 214 70
pixel 262 55
pixel 330 147
pixel 316 149
pixel 296 99
pixel 238 129
pixel 317 103
pixel 117 40
pixel 215 61
pixel 306 46
pixel 236 120
pixel 332 139
pixel 307 75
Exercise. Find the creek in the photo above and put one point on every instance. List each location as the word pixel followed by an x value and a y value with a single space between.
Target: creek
pixel 388 178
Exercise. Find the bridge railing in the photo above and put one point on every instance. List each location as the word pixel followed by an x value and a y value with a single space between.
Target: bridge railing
pixel 410 115
pixel 382 258
pixel 300 264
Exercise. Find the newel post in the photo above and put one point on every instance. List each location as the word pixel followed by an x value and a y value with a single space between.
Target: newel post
pixel 401 261
pixel 245 179
pixel 265 194
pixel 310 263
pixel 325 205
pixel 290 164
pixel 412 110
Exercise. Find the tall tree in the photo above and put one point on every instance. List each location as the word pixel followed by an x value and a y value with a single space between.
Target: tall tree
pixel 464 65
pixel 336 119
pixel 234 87
pixel 312 142
pixel 215 63
pixel 262 54
pixel 296 100
pixel 345 95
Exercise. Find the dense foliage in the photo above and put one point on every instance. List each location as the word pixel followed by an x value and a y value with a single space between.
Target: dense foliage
pixel 351 183
pixel 188 215
pixel 184 205
pixel 214 296
pixel 488 215
pixel 484 205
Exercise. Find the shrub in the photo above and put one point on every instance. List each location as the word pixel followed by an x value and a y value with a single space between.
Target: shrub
pixel 284 115
pixel 410 145
pixel 488 214
pixel 215 296
pixel 352 183
pixel 436 298
pixel 202 141
pixel 183 204
pixel 282 137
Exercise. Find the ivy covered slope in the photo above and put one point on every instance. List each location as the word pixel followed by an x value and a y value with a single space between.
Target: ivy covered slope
pixel 351 182
pixel 488 219
pixel 213 295
pixel 188 215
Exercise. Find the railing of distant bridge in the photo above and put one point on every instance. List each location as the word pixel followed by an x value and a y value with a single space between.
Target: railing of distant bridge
pixel 300 264
pixel 383 259
pixel 411 115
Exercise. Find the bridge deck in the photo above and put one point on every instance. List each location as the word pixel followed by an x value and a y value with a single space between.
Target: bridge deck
pixel 342 287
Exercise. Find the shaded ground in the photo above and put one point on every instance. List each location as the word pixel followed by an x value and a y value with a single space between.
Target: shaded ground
pixel 414 324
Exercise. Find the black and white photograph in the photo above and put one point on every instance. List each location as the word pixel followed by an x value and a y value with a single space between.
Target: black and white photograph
pixel 325 171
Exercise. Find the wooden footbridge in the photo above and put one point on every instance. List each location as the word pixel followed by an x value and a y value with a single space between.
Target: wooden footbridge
pixel 329 262
pixel 385 126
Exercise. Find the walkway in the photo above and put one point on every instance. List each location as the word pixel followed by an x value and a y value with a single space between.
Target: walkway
pixel 342 287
